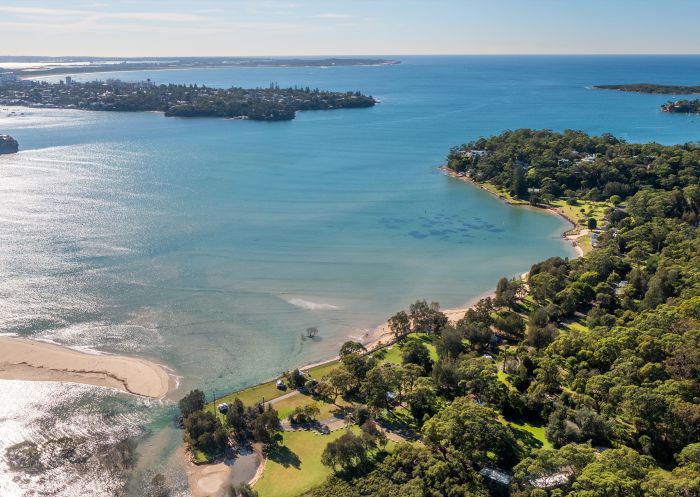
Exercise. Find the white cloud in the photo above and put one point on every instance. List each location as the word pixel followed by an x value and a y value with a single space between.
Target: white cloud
pixel 333 15
pixel 97 15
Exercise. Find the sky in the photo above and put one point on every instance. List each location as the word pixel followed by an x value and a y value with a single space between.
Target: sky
pixel 347 27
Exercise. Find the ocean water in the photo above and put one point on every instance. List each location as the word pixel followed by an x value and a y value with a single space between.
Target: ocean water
pixel 211 245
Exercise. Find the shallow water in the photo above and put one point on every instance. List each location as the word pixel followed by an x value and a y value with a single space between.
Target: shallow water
pixel 211 245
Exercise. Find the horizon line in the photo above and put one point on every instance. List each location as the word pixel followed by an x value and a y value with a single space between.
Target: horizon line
pixel 514 54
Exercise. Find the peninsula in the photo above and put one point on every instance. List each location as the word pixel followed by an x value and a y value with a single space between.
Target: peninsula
pixel 542 388
pixel 8 145
pixel 682 106
pixel 259 104
pixel 44 66
pixel 652 88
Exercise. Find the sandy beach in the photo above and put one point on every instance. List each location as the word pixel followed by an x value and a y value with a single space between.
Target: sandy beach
pixel 22 359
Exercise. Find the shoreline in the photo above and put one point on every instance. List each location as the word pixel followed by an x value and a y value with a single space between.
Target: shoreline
pixel 575 232
pixel 31 360
pixel 381 336
pixel 211 477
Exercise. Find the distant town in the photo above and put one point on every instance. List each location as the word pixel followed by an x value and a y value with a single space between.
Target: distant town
pixel 261 104
pixel 43 66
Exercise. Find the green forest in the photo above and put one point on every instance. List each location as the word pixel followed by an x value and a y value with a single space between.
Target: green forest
pixel 604 354
pixel 582 380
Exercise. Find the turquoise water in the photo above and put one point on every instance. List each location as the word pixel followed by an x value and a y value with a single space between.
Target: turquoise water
pixel 211 245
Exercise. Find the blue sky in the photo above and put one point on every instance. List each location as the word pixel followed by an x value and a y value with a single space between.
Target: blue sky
pixel 345 27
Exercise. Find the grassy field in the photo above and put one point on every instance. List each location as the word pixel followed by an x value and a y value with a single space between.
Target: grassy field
pixel 285 406
pixel 576 326
pixel 503 378
pixel 393 353
pixel 531 434
pixel 267 391
pixel 295 466
pixel 583 210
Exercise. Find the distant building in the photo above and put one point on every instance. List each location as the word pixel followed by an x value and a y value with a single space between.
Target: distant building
pixel 8 77
pixel 69 80
pixel 497 476
pixel 620 287
pixel 553 480
pixel 469 154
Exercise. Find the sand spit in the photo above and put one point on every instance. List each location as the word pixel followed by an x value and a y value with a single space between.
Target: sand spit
pixel 22 359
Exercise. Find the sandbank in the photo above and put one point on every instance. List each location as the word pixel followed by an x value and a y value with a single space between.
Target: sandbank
pixel 31 360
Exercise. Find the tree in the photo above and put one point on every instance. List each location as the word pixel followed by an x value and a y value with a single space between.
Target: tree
pixel 400 325
pixel 340 380
pixel 192 402
pixel 619 472
pixel 372 436
pixel 426 318
pixel 422 400
pixel 347 451
pixel 236 417
pixel 478 377
pixel 415 352
pixel 661 287
pixel 511 323
pixel 380 383
pixel 350 347
pixel 203 431
pixel 591 224
pixel 501 287
pixel 266 426
pixel 304 414
pixel 519 185
pixel 507 292
pixel 449 343
pixel 473 432
pixel 543 286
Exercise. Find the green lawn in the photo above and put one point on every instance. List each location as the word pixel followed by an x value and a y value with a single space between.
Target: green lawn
pixel 583 210
pixel 295 466
pixel 532 434
pixel 268 391
pixel 576 326
pixel 319 372
pixel 286 406
pixel 393 352
pixel 503 378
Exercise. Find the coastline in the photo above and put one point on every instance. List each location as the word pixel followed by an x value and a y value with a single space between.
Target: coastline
pixel 108 70
pixel 379 337
pixel 31 360
pixel 572 234
pixel 209 479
